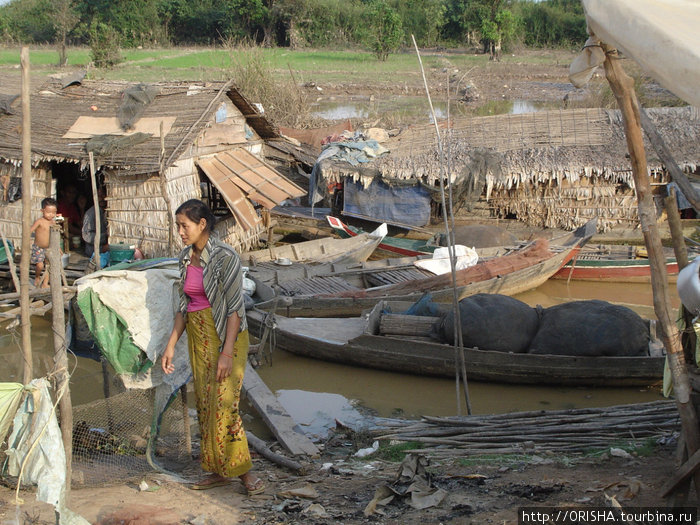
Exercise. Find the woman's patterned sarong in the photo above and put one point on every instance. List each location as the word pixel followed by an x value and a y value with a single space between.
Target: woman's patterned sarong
pixel 224 447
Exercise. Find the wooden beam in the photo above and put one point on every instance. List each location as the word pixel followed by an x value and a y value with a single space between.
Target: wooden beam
pixel 622 86
pixel 275 416
pixel 26 219
pixel 60 346
pixel 687 469
pixel 96 205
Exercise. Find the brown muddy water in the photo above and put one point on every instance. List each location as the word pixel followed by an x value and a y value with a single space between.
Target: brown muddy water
pixel 315 390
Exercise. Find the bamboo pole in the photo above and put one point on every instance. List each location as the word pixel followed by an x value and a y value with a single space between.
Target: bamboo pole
pixel 674 225
pixel 60 345
pixel 460 367
pixel 96 205
pixel 688 339
pixel 164 191
pixel 186 421
pixel 622 87
pixel 26 219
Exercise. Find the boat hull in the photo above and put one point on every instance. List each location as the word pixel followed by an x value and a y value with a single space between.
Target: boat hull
pixel 632 271
pixel 435 359
pixel 508 284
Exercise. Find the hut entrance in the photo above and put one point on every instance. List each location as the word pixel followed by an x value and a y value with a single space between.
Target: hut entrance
pixel 72 189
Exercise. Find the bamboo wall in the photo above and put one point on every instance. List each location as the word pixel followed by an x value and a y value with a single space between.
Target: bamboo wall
pixel 11 213
pixel 137 212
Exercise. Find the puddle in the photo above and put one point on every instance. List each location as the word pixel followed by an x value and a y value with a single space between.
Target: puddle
pixel 316 413
pixel 418 107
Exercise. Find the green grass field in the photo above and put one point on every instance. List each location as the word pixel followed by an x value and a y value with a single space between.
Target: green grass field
pixel 214 63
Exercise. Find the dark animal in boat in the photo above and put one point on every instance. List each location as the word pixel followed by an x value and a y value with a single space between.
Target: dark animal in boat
pixel 494 322
pixel 591 328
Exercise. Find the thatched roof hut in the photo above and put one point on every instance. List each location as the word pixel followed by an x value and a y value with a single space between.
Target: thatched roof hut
pixel 212 147
pixel 551 168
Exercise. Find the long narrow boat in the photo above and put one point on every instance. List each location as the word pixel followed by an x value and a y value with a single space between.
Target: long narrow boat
pixel 393 245
pixel 320 250
pixel 359 341
pixel 350 294
pixel 613 263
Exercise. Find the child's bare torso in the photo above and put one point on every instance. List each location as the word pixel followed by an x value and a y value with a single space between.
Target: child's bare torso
pixel 42 232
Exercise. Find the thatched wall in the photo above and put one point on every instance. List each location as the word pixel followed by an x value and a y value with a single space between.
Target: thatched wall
pixel 11 213
pixel 137 212
pixel 550 168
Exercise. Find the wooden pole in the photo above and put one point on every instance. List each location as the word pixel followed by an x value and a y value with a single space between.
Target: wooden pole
pixel 98 222
pixel 674 225
pixel 26 219
pixel 459 346
pixel 622 87
pixel 60 345
pixel 186 421
pixel 164 191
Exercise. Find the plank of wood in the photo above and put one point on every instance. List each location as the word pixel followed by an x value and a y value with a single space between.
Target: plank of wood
pixel 398 324
pixel 275 416
pixel 687 469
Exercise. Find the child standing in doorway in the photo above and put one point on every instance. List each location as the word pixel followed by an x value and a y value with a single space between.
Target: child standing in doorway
pixel 41 230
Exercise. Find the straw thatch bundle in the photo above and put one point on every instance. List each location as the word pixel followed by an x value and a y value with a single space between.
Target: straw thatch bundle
pixel 555 168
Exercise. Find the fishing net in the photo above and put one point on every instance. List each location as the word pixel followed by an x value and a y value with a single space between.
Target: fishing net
pixel 118 438
pixel 135 101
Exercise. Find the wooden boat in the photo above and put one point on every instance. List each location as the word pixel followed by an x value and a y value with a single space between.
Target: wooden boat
pixel 350 293
pixel 320 250
pixel 613 263
pixel 394 245
pixel 362 341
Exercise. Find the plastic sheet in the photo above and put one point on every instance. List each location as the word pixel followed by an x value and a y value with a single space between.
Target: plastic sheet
pixel 35 450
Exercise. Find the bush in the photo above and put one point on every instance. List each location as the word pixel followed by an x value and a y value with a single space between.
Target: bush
pixel 104 46
pixel 386 33
pixel 284 102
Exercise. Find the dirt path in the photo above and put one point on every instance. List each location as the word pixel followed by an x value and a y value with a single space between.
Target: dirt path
pixel 479 492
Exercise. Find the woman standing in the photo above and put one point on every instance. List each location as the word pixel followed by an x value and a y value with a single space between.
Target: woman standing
pixel 211 308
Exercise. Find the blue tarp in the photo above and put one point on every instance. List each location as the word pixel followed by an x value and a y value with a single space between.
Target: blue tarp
pixel 400 205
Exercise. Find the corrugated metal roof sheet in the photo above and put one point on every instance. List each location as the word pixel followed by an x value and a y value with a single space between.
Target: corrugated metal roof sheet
pixel 241 176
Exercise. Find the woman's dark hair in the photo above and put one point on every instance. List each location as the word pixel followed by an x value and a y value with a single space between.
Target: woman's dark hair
pixel 195 210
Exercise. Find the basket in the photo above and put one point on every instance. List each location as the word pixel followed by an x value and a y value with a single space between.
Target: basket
pixel 120 252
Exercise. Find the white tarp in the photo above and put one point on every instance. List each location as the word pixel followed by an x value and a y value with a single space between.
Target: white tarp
pixel 35 449
pixel 660 35
pixel 440 263
pixel 147 301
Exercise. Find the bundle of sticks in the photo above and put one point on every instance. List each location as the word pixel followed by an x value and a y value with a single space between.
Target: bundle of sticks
pixel 566 431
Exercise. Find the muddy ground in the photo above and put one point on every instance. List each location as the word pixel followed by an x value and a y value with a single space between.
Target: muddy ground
pixel 481 491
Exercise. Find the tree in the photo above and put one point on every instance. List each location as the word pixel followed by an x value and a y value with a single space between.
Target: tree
pixel 65 18
pixel 423 19
pixel 386 30
pixel 104 45
pixel 496 29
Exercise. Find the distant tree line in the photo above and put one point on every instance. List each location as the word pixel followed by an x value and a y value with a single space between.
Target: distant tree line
pixel 380 25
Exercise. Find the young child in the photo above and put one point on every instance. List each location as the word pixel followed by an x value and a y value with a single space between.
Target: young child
pixel 41 230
